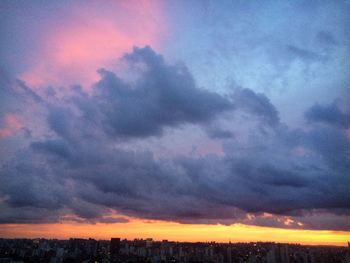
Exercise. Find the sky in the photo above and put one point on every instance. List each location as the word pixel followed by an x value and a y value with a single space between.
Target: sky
pixel 180 120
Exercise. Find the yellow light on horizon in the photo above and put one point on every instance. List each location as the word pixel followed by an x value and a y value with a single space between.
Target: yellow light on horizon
pixel 160 230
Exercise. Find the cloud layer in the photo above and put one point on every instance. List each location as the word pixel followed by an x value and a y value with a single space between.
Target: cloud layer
pixel 66 161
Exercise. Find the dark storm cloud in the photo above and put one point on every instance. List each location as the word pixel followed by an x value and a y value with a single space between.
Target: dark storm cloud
pixel 31 185
pixel 257 104
pixel 217 133
pixel 330 114
pixel 221 188
pixel 27 215
pixel 28 92
pixel 77 167
pixel 59 120
pixel 164 96
pixel 57 147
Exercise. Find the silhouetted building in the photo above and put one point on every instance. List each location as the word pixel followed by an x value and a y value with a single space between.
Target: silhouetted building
pixel 229 255
pixel 114 246
pixel 283 253
pixel 271 255
pixel 149 242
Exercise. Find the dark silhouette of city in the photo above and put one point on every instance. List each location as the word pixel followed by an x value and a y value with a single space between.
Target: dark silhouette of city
pixel 149 250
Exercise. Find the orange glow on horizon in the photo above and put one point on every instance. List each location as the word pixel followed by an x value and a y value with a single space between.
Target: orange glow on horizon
pixel 160 230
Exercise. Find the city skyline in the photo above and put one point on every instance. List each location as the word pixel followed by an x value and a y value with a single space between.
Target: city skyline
pixel 183 120
pixel 149 250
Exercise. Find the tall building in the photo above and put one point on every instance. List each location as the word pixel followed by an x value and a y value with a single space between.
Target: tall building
pixel 284 253
pixel 271 256
pixel 149 242
pixel 229 255
pixel 347 256
pixel 114 246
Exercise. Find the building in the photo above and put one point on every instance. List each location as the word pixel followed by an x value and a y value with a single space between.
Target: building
pixel 149 242
pixel 114 246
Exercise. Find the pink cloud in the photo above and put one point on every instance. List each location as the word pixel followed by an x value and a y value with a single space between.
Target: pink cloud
pixel 210 147
pixel 93 37
pixel 301 151
pixel 11 125
pixel 347 133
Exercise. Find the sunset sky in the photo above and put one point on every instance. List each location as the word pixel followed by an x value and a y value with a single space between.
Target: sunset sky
pixel 182 120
